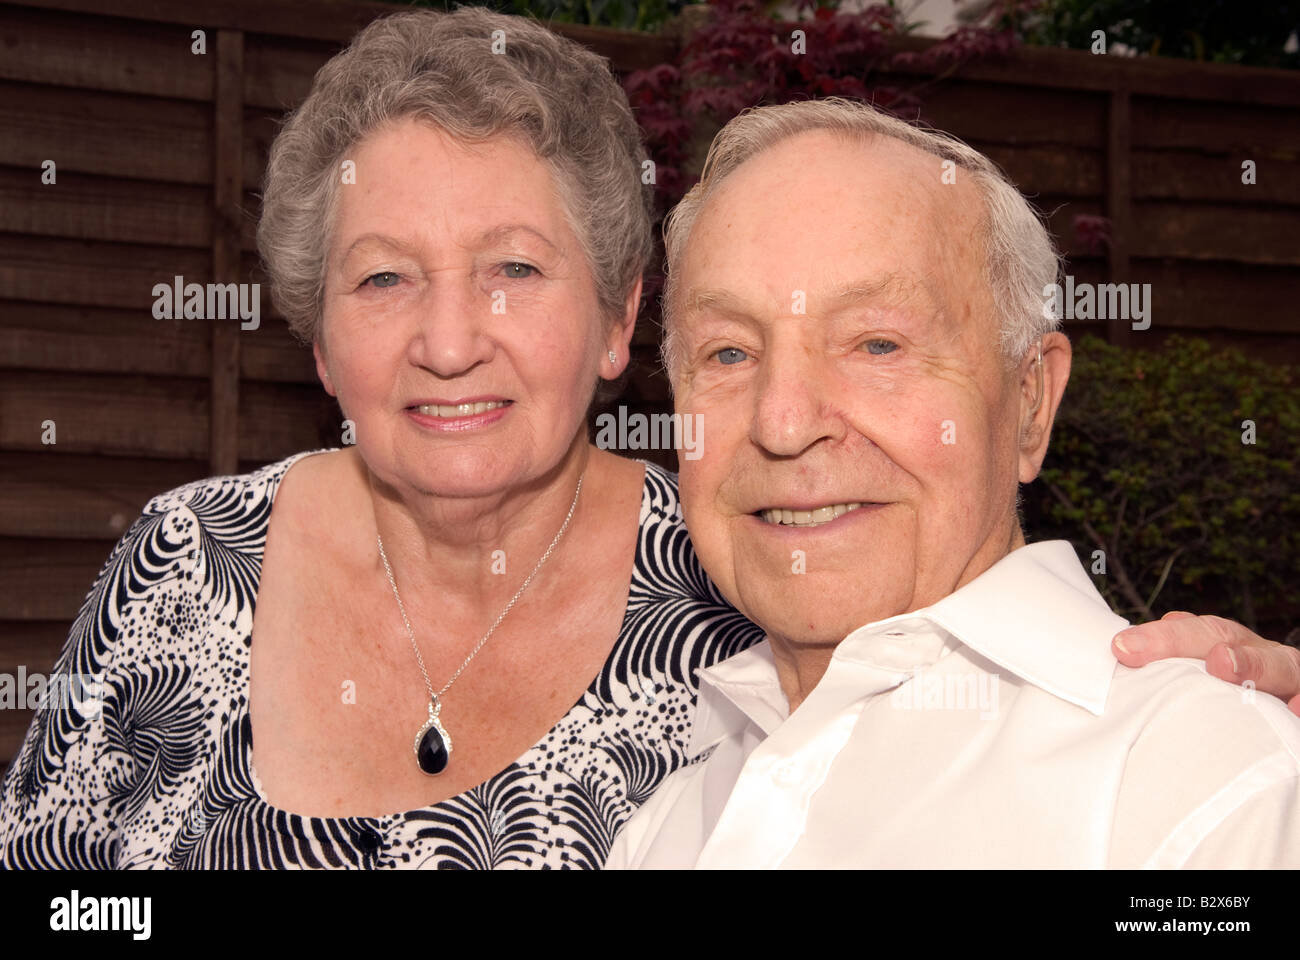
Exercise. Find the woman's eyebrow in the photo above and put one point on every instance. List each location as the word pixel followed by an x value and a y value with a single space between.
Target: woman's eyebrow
pixel 380 240
pixel 506 230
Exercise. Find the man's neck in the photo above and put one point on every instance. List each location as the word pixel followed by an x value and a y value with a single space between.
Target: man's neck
pixel 800 664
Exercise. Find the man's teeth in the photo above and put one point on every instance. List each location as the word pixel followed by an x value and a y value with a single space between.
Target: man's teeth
pixel 808 518
pixel 460 409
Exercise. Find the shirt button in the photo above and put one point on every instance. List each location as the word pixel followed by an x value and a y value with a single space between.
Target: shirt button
pixel 786 774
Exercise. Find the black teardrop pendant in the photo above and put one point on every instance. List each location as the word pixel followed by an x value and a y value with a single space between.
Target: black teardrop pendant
pixel 432 753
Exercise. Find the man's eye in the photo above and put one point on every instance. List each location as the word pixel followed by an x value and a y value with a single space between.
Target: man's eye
pixel 880 347
pixel 385 279
pixel 730 355
pixel 519 271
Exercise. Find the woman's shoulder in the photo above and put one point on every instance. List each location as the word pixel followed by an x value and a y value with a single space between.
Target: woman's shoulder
pixel 660 502
pixel 243 493
pixel 667 568
pixel 204 537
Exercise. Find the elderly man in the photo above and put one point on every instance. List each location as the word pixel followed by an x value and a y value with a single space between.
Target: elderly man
pixel 856 308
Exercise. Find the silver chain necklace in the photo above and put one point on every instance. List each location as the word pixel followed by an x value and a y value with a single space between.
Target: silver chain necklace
pixel 432 742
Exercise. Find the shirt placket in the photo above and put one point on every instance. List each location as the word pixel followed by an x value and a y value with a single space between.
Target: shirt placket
pixel 767 811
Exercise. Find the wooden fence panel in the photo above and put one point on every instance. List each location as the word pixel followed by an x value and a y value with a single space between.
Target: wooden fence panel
pixel 111 134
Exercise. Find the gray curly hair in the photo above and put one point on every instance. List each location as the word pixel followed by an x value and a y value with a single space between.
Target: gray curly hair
pixel 1020 259
pixel 557 96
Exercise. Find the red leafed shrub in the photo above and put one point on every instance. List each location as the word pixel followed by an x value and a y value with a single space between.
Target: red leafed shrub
pixel 742 57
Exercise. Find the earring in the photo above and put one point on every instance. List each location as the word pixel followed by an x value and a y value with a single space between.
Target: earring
pixel 613 357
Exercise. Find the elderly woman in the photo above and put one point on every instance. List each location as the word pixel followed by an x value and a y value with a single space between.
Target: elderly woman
pixel 471 639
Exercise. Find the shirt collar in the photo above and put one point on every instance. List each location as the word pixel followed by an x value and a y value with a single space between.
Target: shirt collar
pixel 1035 613
pixel 738 691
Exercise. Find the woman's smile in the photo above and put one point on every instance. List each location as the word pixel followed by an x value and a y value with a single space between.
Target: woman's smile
pixel 456 416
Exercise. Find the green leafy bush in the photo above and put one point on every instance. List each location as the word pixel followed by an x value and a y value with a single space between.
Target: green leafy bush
pixel 1222 31
pixel 1150 462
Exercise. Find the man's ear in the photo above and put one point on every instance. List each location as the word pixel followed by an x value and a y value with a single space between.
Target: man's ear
pixel 1042 384
pixel 619 337
pixel 322 369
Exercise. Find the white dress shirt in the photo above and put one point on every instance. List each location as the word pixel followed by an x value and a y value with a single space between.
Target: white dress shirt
pixel 992 729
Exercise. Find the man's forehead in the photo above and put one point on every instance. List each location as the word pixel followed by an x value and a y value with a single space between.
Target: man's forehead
pixel 827 296
pixel 849 220
pixel 839 165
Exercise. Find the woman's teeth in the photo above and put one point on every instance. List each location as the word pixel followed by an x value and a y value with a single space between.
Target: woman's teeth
pixel 808 518
pixel 460 409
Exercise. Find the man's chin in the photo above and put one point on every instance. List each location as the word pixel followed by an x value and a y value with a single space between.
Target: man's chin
pixel 819 591
pixel 813 620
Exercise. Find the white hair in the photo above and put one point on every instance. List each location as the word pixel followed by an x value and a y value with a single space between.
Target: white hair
pixel 1020 257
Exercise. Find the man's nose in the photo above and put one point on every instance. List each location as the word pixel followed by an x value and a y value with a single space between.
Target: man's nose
pixel 794 408
pixel 451 334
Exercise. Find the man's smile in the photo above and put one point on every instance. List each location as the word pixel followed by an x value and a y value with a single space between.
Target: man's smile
pixel 804 516
pixel 795 516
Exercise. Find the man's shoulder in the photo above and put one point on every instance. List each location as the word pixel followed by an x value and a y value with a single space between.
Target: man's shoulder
pixel 1178 698
pixel 1203 752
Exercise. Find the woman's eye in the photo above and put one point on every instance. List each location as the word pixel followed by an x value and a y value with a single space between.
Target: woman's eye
pixel 519 271
pixel 730 355
pixel 385 279
pixel 880 347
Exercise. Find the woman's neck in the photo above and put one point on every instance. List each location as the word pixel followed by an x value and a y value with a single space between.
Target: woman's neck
pixel 467 556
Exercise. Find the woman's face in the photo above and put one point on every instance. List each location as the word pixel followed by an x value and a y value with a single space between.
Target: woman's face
pixel 460 329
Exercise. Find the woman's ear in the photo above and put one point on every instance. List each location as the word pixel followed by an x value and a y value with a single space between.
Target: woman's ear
pixel 618 341
pixel 1043 374
pixel 322 368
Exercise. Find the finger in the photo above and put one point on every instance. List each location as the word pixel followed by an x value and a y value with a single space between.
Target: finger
pixel 1173 636
pixel 1274 670
pixel 1294 704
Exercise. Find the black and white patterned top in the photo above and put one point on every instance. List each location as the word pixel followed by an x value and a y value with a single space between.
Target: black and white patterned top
pixel 160 774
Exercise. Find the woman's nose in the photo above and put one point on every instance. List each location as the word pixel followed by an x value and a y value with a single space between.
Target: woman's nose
pixel 451 335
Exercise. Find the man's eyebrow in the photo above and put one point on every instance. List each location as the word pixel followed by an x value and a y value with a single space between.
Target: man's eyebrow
pixel 708 298
pixel 890 284
pixel 843 295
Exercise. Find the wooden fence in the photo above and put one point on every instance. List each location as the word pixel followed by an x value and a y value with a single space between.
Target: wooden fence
pixel 157 152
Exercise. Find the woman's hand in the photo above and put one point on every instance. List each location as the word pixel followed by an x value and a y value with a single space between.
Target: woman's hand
pixel 1230 651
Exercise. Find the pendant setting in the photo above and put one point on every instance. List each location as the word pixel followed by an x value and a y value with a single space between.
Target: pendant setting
pixel 433 743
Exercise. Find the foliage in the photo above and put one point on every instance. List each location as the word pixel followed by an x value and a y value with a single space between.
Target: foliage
pixel 1215 30
pixel 1147 463
pixel 743 55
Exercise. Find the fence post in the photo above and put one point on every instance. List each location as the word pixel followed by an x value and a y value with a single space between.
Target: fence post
pixel 1118 201
pixel 227 193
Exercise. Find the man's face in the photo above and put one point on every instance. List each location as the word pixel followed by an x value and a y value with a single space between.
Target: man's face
pixel 839 338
